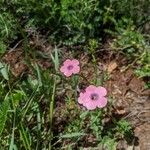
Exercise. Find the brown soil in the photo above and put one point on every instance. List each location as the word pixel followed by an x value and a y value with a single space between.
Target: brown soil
pixel 126 89
pixel 134 101
pixel 15 60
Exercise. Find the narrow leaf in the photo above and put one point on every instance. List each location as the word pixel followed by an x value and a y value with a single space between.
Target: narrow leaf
pixel 71 135
pixel 4 71
pixel 3 114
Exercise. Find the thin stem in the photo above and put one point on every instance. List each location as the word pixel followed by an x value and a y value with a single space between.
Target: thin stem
pixel 95 69
pixel 51 111
pixel 75 80
pixel 29 102
pixel 13 132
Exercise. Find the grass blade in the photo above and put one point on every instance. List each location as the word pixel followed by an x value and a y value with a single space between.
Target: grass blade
pixel 3 114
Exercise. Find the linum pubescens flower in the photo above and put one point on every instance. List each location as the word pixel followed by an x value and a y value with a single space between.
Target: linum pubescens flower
pixel 70 67
pixel 93 97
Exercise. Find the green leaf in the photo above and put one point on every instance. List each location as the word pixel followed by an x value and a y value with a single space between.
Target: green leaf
pixel 84 114
pixel 71 135
pixel 25 138
pixel 4 71
pixel 2 47
pixel 55 59
pixel 39 75
pixel 3 114
pixel 109 143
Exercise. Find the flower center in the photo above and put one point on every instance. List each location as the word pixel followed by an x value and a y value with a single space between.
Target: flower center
pixel 94 96
pixel 70 67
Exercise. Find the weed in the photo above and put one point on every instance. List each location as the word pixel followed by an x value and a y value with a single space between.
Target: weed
pixel 69 22
pixel 29 104
pixel 133 45
pixel 144 66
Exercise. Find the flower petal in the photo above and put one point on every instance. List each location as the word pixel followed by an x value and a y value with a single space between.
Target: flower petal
pixel 102 102
pixel 90 105
pixel 75 62
pixel 76 69
pixel 63 69
pixel 90 88
pixel 67 62
pixel 101 91
pixel 68 73
pixel 81 98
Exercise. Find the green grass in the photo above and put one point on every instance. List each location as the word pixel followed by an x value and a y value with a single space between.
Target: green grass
pixel 29 112
pixel 39 109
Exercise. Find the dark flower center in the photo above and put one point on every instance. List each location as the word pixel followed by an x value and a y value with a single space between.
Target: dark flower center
pixel 70 67
pixel 94 96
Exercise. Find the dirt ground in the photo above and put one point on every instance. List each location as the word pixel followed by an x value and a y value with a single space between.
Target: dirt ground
pixel 131 99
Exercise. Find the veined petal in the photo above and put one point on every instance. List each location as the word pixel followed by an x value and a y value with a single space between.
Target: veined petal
pixel 67 62
pixel 76 69
pixel 68 73
pixel 75 62
pixel 102 102
pixel 90 105
pixel 101 91
pixel 81 98
pixel 90 88
pixel 63 69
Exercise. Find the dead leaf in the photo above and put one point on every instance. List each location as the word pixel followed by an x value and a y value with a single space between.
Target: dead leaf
pixel 18 69
pixel 112 66
pixel 121 112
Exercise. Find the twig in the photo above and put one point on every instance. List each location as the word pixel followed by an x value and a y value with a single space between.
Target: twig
pixel 15 46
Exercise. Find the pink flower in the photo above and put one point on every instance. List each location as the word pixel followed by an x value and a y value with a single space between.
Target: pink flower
pixel 70 67
pixel 93 97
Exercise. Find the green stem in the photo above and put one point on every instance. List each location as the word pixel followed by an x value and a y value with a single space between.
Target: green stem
pixel 24 137
pixel 95 69
pixel 51 111
pixel 13 132
pixel 28 103
pixel 75 80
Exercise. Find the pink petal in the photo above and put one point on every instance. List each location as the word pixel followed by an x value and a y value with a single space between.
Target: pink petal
pixel 75 62
pixel 81 98
pixel 90 105
pixel 76 69
pixel 68 73
pixel 67 62
pixel 101 91
pixel 63 69
pixel 90 88
pixel 102 102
